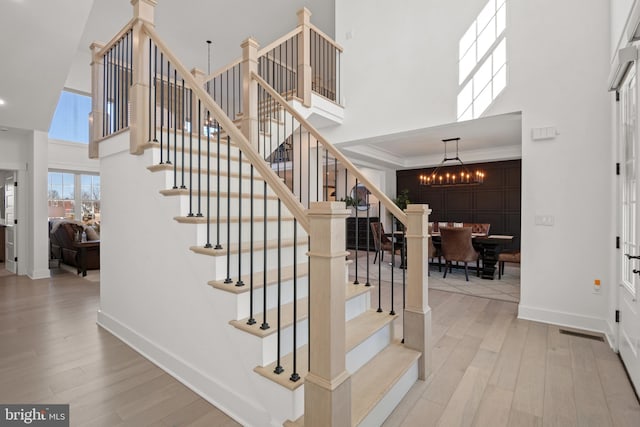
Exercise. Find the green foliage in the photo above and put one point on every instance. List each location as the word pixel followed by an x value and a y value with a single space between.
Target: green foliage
pixel 402 200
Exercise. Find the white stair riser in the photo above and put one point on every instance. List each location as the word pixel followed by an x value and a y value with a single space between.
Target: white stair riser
pixel 258 206
pixel 385 407
pixel 270 343
pixel 269 348
pixel 286 259
pixel 358 305
pixel 286 296
pixel 191 163
pixel 226 182
pixel 368 349
pixel 243 230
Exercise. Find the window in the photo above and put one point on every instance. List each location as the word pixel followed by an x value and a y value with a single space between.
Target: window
pixel 482 65
pixel 71 118
pixel 74 196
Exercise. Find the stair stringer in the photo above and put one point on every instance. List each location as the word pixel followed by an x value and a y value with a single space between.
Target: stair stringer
pixel 154 296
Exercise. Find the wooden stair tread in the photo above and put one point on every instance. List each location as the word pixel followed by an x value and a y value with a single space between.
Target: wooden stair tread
pixel 259 245
pixel 286 319
pixel 374 380
pixel 357 331
pixel 212 171
pixel 233 219
pixel 244 195
pixel 286 273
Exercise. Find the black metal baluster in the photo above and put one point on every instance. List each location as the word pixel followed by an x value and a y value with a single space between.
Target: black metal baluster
pixel 379 310
pixel 240 282
pixel 161 104
pixel 218 245
pixel 168 113
pixel 278 369
pixel 251 320
pixel 294 375
pixel 190 155
pixel 114 88
pixel 393 265
pixel 228 278
pixel 104 94
pixel 155 92
pixel 184 121
pixel 404 276
pixel 264 325
pixel 208 244
pixel 126 86
pixel 150 90
pixel 175 128
pixel 368 246
pixel 199 213
pixel 357 203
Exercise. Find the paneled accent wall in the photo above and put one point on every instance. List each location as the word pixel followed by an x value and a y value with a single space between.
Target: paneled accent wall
pixel 496 202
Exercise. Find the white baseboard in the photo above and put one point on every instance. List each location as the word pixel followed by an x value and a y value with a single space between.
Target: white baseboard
pixel 612 336
pixel 561 318
pixel 238 407
pixel 39 274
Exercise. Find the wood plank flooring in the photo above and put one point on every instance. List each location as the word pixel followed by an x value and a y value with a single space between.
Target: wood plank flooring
pixel 489 368
pixel 52 351
pixel 492 369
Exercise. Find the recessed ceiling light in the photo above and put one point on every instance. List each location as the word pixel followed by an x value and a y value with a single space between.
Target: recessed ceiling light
pixel 2 101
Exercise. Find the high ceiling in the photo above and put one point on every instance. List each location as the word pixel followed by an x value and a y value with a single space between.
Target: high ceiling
pixel 485 139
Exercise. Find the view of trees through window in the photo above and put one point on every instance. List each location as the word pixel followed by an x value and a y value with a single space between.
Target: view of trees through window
pixel 74 196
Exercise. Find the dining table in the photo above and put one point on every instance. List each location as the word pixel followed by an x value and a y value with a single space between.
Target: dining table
pixel 489 246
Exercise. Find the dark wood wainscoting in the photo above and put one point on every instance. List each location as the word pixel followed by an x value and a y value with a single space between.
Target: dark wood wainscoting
pixel 496 202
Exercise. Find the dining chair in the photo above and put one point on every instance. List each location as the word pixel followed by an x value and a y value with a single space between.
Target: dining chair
pixel 382 242
pixel 507 256
pixel 456 246
pixel 433 251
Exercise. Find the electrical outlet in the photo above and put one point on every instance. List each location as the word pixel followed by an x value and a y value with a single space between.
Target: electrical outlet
pixel 596 286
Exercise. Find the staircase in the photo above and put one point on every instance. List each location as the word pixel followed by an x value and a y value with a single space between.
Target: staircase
pixel 219 274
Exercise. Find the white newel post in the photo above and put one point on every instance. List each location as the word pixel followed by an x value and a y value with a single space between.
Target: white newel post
pixel 143 11
pixel 249 125
pixel 417 314
pixel 96 117
pixel 304 57
pixel 327 393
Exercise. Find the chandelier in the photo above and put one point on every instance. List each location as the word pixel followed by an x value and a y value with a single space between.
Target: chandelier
pixel 449 176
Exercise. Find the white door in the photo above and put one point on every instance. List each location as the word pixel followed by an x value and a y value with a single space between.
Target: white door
pixel 10 232
pixel 629 326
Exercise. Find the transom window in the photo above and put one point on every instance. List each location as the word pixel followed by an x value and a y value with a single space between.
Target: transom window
pixel 482 65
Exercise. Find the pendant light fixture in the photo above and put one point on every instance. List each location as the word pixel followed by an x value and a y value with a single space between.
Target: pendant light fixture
pixel 456 175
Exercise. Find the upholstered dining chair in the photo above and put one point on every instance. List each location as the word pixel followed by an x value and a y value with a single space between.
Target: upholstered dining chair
pixel 456 246
pixel 507 256
pixel 433 251
pixel 382 242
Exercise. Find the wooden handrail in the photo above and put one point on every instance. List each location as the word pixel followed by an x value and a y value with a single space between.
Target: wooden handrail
pixel 261 53
pixel 276 184
pixel 326 37
pixel 279 41
pixel 386 201
pixel 117 37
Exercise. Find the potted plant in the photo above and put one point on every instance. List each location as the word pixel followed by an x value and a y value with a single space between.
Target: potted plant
pixel 401 200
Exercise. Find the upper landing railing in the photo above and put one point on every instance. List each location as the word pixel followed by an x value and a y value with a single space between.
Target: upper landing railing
pixel 302 61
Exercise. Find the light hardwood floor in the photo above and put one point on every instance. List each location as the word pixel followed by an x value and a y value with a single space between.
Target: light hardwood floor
pixel 52 351
pixel 490 369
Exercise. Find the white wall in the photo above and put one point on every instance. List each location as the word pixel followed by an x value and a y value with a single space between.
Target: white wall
pixel 71 156
pixel 558 59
